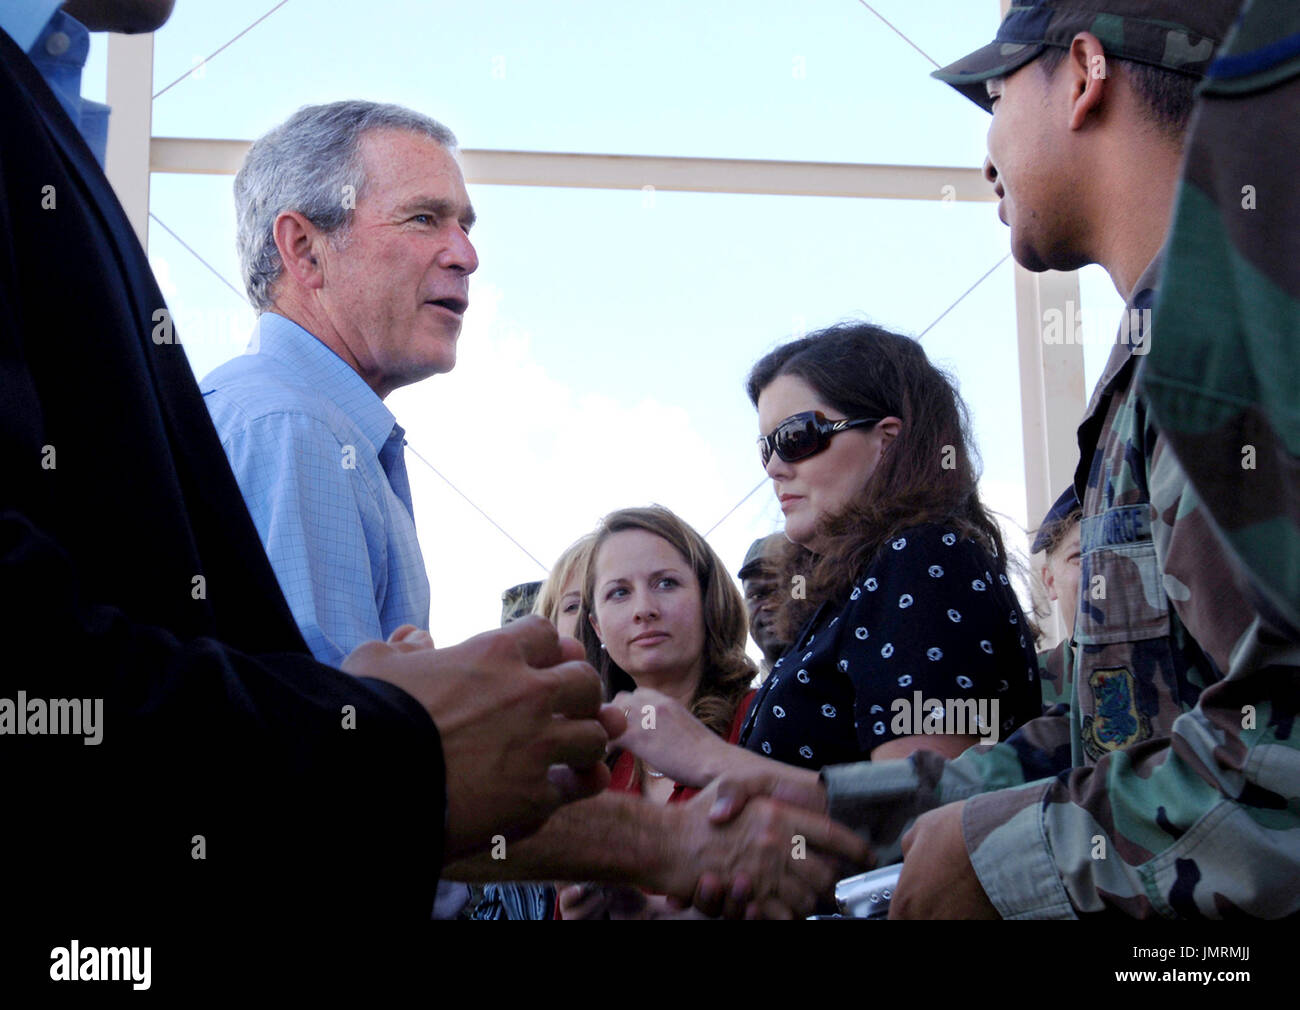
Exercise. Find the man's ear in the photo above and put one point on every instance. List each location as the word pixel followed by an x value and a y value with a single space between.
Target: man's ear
pixel 1049 582
pixel 299 242
pixel 1089 75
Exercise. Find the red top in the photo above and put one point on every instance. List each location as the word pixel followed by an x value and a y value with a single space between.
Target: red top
pixel 622 777
pixel 622 780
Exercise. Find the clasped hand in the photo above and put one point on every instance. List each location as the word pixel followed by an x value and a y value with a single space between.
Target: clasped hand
pixel 520 717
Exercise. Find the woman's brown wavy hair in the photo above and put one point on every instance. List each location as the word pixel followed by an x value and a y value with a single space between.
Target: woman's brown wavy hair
pixel 727 670
pixel 929 473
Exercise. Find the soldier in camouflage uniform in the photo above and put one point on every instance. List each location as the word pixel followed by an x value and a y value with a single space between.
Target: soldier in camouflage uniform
pixel 1174 773
pixel 1057 540
pixel 1222 380
pixel 517 601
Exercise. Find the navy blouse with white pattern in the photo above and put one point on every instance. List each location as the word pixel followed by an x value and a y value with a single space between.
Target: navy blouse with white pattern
pixel 932 636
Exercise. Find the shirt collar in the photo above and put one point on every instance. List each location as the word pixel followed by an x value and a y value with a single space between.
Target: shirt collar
pixel 59 54
pixel 1133 340
pixel 285 341
pixel 24 20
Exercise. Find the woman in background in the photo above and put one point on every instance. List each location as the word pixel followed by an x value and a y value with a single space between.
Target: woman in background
pixel 910 636
pixel 660 613
pixel 561 594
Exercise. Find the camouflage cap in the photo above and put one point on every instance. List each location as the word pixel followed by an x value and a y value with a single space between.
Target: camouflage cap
pixel 1057 514
pixel 517 601
pixel 1178 35
pixel 758 554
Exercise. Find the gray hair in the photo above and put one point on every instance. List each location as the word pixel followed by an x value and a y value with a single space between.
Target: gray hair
pixel 304 165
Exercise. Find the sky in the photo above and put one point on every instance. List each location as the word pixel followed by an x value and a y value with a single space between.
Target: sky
pixel 604 353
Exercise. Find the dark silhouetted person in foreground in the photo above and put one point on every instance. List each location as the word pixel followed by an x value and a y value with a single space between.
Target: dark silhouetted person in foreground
pixel 230 777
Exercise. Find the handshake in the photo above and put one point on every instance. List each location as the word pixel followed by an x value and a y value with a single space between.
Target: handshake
pixel 524 736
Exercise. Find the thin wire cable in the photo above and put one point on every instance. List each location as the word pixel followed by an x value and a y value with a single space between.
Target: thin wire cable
pixel 898 33
pixel 987 274
pixel 215 51
pixel 734 507
pixel 217 273
pixel 417 455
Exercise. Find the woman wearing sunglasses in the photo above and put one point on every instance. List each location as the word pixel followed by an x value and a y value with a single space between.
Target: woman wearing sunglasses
pixel 660 611
pixel 910 635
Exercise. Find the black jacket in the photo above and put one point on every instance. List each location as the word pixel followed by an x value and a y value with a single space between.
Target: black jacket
pixel 131 572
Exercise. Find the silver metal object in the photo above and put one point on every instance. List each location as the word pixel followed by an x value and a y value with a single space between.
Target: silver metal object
pixel 867 895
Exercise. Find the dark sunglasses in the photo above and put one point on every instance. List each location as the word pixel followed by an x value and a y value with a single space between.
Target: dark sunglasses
pixel 802 435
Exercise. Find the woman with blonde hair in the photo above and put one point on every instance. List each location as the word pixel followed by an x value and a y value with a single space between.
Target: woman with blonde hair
pixel 660 611
pixel 560 596
pixel 660 615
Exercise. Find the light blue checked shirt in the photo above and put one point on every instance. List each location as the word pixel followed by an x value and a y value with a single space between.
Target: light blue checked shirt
pixel 319 460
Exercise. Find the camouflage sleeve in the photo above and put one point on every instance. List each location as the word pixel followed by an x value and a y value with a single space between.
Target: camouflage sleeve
pixel 1222 375
pixel 881 799
pixel 1056 674
pixel 1200 824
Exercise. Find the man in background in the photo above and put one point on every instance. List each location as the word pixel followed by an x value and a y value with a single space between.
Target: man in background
pixel 761 584
pixel 1057 540
pixel 518 601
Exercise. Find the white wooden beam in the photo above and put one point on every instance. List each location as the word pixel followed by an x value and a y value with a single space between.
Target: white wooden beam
pixel 618 171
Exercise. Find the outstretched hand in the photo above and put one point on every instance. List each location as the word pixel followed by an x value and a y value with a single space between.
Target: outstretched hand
pixel 521 721
pixel 661 732
pixel 797 787
pixel 938 880
pixel 770 860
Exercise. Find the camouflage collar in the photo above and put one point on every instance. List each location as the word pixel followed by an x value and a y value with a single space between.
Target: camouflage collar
pixel 1132 341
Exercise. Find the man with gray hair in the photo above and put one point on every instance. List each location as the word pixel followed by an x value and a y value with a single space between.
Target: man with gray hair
pixel 353 234
pixel 353 225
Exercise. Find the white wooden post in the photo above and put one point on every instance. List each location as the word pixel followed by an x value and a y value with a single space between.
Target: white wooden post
pixel 130 94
